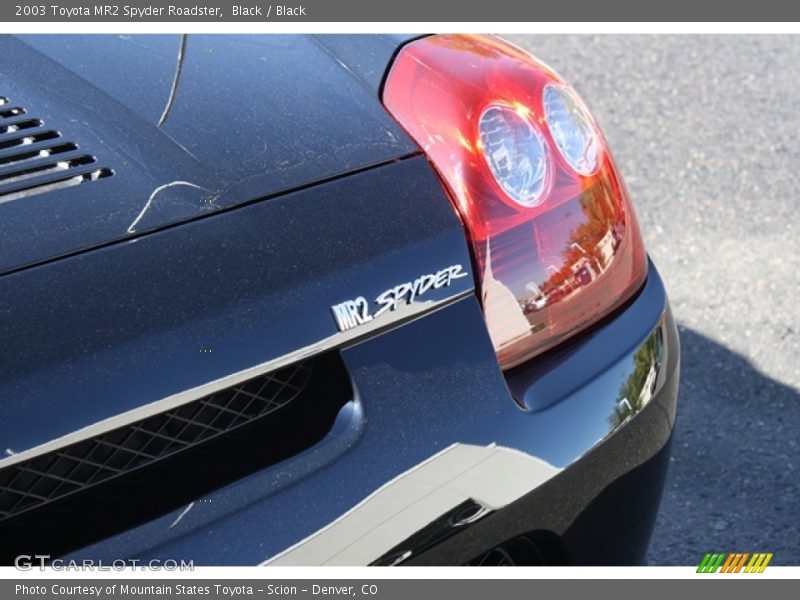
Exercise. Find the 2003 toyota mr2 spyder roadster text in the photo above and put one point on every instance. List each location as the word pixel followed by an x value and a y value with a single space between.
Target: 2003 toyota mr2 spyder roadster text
pixel 321 300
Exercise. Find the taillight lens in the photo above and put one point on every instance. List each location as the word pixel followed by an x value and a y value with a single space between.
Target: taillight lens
pixel 553 234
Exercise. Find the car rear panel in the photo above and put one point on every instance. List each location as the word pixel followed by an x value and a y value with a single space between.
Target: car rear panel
pixel 433 461
pixel 106 332
pixel 100 337
pixel 396 441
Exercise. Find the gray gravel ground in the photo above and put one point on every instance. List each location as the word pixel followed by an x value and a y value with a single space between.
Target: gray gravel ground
pixel 706 130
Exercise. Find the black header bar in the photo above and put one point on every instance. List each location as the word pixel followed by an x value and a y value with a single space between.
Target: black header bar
pixel 337 11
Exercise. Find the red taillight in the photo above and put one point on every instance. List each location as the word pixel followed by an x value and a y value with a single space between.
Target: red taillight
pixel 554 237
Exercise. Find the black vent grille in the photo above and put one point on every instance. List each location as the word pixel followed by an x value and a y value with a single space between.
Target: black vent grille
pixel 35 159
pixel 36 482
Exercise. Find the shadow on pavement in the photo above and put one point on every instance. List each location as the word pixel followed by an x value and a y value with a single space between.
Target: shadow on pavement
pixel 734 473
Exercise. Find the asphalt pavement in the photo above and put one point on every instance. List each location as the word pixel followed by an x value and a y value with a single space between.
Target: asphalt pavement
pixel 706 131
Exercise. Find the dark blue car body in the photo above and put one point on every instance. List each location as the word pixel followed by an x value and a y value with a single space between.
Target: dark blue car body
pixel 245 192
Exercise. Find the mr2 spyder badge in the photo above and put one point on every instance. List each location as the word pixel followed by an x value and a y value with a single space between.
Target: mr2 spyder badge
pixel 353 313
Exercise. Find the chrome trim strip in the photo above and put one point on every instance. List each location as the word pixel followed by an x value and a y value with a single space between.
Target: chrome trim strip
pixel 401 315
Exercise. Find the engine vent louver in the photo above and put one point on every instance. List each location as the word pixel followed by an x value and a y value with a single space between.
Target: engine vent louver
pixel 35 159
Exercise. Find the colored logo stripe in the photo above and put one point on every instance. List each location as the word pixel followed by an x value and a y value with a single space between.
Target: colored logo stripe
pixel 740 564
pixel 711 563
pixel 734 561
pixel 758 563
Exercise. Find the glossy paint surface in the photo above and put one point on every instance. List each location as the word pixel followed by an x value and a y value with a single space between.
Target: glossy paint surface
pixel 105 332
pixel 238 127
pixel 206 280
pixel 422 388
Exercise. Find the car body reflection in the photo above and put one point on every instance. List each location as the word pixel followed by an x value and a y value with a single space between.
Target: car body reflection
pixel 433 500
